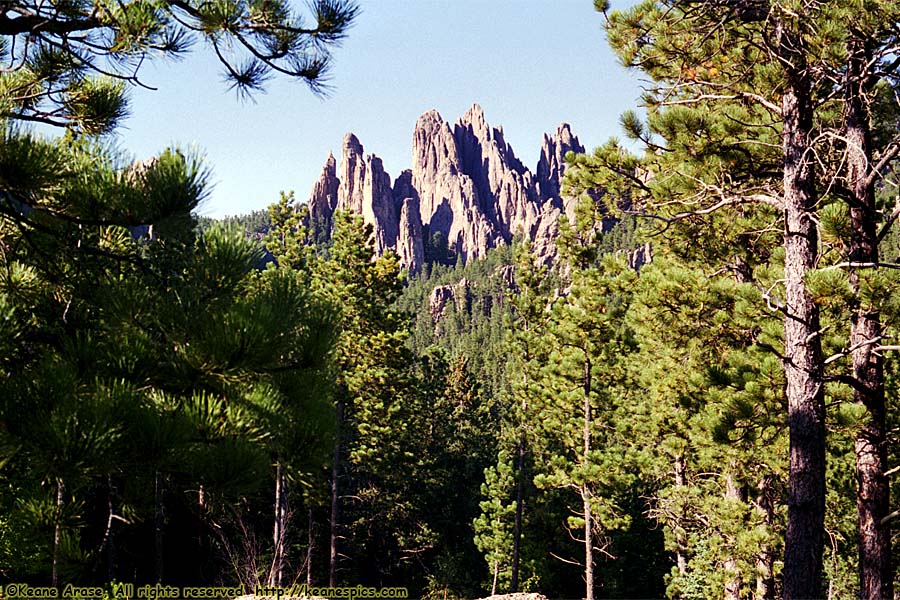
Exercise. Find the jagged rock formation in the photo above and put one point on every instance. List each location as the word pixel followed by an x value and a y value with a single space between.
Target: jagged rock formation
pixel 323 199
pixel 552 163
pixel 410 246
pixel 640 256
pixel 466 296
pixel 444 295
pixel 466 189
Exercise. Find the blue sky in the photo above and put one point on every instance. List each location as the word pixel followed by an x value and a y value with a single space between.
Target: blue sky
pixel 530 64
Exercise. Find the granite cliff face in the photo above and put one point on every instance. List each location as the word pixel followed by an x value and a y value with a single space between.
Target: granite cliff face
pixel 466 189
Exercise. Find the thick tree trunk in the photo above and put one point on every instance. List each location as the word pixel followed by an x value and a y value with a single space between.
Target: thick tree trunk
pixel 57 531
pixel 873 495
pixel 765 559
pixel 517 524
pixel 158 524
pixel 585 491
pixel 280 527
pixel 803 362
pixel 335 498
pixel 733 579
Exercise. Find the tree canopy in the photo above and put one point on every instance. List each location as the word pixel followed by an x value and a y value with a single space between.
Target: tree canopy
pixel 66 63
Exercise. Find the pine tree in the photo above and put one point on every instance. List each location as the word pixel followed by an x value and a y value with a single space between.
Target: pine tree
pixel 374 391
pixel 582 386
pixel 306 425
pixel 70 63
pixel 745 97
pixel 710 410
pixel 156 334
pixel 501 526
pixel 177 363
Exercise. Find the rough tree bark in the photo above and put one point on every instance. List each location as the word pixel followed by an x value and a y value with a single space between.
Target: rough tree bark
pixel 803 362
pixel 108 543
pixel 873 495
pixel 496 575
pixel 680 537
pixel 310 544
pixel 158 524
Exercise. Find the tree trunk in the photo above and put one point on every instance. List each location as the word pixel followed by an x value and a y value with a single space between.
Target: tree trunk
pixel 765 559
pixel 588 543
pixel 108 543
pixel 733 579
pixel 158 523
pixel 201 526
pixel 803 362
pixel 517 524
pixel 873 495
pixel 280 527
pixel 310 543
pixel 496 576
pixel 57 531
pixel 585 491
pixel 335 498
pixel 680 538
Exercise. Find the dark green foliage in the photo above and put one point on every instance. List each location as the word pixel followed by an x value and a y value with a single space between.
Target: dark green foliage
pixel 73 60
pixel 158 382
pixel 437 250
pixel 151 374
pixel 761 116
pixel 255 224
pixel 470 325
pixel 139 361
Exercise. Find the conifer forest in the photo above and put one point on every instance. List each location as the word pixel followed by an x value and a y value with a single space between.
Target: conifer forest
pixel 666 367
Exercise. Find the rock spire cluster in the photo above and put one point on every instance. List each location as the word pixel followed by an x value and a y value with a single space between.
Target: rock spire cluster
pixel 466 190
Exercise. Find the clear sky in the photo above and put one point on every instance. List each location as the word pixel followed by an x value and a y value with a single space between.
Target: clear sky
pixel 530 64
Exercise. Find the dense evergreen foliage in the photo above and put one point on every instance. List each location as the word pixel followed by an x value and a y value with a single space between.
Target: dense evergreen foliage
pixel 251 401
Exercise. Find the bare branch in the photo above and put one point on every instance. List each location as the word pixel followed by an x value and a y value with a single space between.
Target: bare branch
pixel 861 265
pixel 852 349
pixel 735 96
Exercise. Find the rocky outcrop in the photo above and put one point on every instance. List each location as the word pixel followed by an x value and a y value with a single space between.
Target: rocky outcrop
pixel 552 163
pixel 365 188
pixel 467 297
pixel 410 246
pixel 443 296
pixel 323 200
pixel 640 256
pixel 351 176
pixel 506 189
pixel 466 186
pixel 378 205
pixel 448 200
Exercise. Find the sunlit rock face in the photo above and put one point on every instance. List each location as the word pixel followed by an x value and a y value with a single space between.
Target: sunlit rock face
pixel 466 189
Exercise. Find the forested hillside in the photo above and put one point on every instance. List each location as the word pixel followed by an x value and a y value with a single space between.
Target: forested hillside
pixel 692 394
